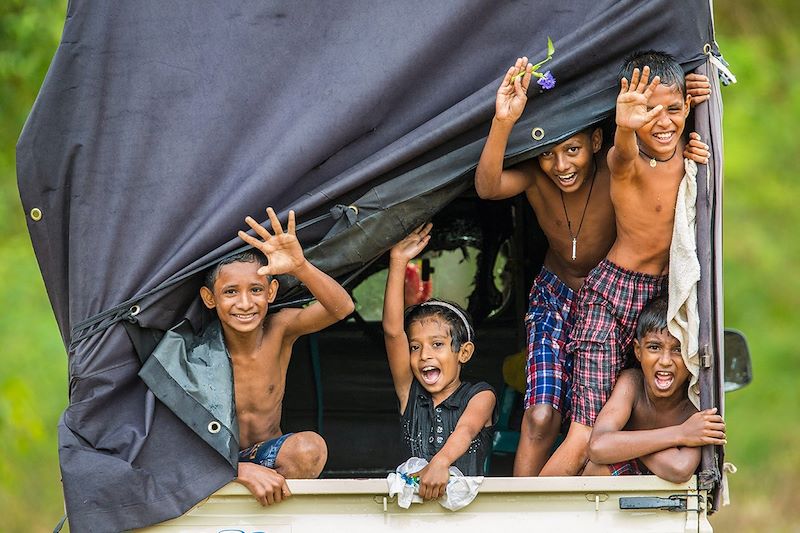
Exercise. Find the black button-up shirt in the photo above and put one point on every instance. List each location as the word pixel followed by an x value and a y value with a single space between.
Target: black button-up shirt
pixel 426 428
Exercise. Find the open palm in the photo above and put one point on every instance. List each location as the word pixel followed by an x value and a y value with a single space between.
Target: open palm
pixel 283 250
pixel 632 100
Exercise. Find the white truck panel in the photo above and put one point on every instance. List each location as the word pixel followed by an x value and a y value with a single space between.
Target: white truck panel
pixel 503 504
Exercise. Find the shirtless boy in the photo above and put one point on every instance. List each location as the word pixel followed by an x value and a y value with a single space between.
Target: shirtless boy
pixel 240 290
pixel 645 175
pixel 649 425
pixel 568 189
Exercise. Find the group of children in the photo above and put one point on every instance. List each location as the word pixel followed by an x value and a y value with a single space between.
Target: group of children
pixel 607 212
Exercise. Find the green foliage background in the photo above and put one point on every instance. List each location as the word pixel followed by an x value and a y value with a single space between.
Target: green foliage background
pixel 762 290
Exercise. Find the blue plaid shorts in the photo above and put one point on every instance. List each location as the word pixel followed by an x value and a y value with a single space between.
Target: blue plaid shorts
pixel 548 323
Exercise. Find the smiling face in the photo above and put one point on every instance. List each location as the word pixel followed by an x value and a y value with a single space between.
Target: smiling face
pixel 434 363
pixel 570 163
pixel 663 368
pixel 660 137
pixel 241 297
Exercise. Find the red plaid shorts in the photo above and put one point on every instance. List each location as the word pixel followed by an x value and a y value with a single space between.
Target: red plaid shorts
pixel 608 307
pixel 628 468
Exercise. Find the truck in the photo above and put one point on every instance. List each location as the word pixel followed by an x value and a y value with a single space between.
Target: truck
pixel 159 126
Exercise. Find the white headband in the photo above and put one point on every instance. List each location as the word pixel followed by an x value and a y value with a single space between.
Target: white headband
pixel 453 309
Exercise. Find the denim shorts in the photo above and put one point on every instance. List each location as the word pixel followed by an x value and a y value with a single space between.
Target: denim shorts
pixel 264 453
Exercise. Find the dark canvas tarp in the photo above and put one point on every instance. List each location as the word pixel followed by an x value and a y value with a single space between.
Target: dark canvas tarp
pixel 160 125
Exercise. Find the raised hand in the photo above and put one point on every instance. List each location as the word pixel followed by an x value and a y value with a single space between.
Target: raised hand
pixel 283 250
pixel 696 150
pixel 705 427
pixel 513 92
pixel 410 247
pixel 698 87
pixel 632 100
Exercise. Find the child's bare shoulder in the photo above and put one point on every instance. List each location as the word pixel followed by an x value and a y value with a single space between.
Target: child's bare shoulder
pixel 277 321
pixel 630 377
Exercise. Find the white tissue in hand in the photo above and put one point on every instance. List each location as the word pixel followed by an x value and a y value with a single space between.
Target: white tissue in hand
pixel 460 491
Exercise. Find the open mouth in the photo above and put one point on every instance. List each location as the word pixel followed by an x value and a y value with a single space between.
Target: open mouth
pixel 567 179
pixel 245 317
pixel 664 137
pixel 430 375
pixel 664 380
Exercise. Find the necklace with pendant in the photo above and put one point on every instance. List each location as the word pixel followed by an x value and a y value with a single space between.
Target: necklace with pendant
pixel 654 161
pixel 574 237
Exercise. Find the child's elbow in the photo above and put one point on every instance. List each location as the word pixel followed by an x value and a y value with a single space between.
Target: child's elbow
pixel 595 450
pixel 679 471
pixel 345 310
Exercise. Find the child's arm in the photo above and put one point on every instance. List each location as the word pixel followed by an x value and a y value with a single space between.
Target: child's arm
pixel 491 181
pixel 394 335
pixel 679 463
pixel 285 256
pixel 265 484
pixel 610 443
pixel 631 115
pixel 478 414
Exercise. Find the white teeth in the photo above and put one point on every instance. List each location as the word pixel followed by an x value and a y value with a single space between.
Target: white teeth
pixel 425 369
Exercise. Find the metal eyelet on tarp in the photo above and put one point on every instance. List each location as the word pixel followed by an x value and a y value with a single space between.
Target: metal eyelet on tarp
pixel 214 427
pixel 537 133
pixel 36 214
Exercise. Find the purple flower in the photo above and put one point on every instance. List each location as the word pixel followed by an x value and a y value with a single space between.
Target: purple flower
pixel 546 81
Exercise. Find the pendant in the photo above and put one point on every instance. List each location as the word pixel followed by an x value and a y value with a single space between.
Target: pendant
pixel 653 162
pixel 574 247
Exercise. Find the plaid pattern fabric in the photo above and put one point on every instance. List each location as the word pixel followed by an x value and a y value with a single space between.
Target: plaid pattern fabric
pixel 628 468
pixel 607 309
pixel 548 321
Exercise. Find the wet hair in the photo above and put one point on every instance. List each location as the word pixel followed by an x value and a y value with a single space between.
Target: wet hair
pixel 661 64
pixel 248 256
pixel 457 319
pixel 653 317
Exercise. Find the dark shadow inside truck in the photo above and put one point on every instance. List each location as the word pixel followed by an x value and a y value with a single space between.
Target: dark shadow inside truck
pixel 483 255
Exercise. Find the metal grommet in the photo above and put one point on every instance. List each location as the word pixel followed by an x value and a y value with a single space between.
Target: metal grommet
pixel 36 214
pixel 354 208
pixel 537 133
pixel 707 48
pixel 135 310
pixel 214 426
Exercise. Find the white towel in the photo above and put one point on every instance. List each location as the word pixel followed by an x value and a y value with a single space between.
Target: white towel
pixel 460 491
pixel 683 317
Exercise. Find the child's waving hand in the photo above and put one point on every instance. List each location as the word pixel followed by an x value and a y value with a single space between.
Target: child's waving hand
pixel 632 100
pixel 283 250
pixel 410 247
pixel 513 92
